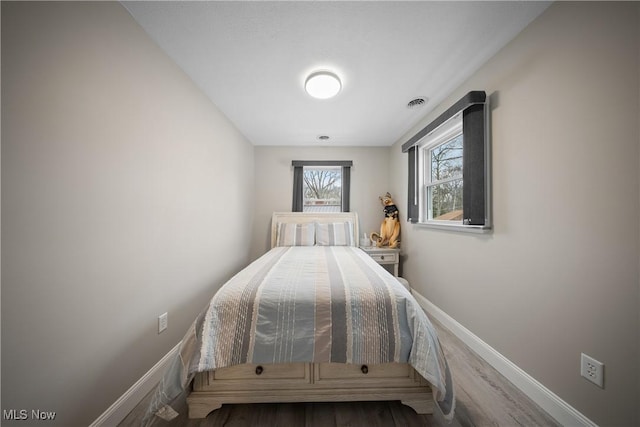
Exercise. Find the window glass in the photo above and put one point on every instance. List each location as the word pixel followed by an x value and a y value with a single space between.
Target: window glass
pixel 322 189
pixel 445 201
pixel 444 186
pixel 446 160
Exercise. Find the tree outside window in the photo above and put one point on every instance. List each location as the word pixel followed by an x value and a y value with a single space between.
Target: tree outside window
pixel 322 189
pixel 445 183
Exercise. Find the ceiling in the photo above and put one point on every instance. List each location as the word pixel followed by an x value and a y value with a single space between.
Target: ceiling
pixel 252 58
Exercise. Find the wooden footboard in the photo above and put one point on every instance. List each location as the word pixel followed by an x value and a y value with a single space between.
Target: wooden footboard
pixel 309 382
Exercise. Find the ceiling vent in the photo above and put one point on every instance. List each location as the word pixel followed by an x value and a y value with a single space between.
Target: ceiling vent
pixel 417 102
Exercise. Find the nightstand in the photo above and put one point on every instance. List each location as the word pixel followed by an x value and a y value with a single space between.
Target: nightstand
pixel 384 256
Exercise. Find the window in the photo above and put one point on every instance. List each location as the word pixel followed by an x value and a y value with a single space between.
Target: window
pixel 442 179
pixel 449 168
pixel 322 189
pixel 321 186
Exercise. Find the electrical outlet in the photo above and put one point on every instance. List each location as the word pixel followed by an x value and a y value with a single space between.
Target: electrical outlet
pixel 163 322
pixel 592 370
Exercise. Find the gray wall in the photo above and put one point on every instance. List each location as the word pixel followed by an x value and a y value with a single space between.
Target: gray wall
pixel 559 274
pixel 125 194
pixel 274 184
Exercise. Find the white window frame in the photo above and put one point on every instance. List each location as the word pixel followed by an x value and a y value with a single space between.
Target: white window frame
pixel 448 131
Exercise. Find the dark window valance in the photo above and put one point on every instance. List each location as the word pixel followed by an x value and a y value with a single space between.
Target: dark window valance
pixel 342 163
pixel 471 98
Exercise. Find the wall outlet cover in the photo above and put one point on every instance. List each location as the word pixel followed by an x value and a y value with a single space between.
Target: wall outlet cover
pixel 592 370
pixel 163 322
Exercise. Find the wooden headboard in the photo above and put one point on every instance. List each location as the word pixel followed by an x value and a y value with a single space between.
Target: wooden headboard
pixel 321 217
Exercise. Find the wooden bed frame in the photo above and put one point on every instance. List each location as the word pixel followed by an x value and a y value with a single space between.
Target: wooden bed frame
pixel 309 382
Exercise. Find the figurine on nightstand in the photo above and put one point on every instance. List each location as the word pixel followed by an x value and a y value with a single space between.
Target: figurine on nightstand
pixel 390 228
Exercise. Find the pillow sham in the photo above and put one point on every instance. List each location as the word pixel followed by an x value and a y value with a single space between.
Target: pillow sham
pixel 292 234
pixel 334 234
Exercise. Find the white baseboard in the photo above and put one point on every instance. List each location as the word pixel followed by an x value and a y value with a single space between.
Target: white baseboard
pixel 132 397
pixel 557 408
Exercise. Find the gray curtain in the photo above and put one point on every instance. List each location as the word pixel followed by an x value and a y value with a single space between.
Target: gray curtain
pixel 298 197
pixel 346 186
pixel 413 211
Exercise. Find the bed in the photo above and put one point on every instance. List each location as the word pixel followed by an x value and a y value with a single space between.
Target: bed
pixel 315 319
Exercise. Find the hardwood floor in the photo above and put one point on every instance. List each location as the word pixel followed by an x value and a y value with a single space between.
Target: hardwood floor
pixel 371 414
pixel 484 398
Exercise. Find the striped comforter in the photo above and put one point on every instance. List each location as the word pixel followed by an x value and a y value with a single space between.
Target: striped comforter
pixel 311 304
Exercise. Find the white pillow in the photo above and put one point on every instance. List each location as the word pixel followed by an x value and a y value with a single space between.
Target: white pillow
pixel 334 234
pixel 292 234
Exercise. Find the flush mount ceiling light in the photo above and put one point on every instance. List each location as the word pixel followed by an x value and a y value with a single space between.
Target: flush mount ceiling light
pixel 322 85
